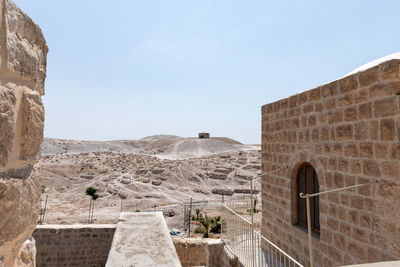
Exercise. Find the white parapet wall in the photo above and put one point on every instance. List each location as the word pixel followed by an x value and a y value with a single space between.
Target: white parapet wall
pixel 142 239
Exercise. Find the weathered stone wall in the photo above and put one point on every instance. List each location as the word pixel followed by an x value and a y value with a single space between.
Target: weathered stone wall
pixel 23 53
pixel 349 130
pixel 204 252
pixel 73 245
pixel 191 251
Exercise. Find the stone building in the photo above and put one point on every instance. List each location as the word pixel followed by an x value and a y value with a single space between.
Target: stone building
pixel 343 133
pixel 204 135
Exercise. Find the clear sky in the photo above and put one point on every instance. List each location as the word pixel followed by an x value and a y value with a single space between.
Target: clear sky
pixel 125 69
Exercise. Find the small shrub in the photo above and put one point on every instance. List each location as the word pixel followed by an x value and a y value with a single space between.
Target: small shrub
pixel 92 192
pixel 199 230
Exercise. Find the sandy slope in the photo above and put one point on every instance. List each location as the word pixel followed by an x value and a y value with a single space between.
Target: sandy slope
pixel 165 171
pixel 162 146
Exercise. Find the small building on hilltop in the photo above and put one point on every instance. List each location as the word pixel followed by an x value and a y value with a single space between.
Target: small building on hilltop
pixel 340 134
pixel 204 135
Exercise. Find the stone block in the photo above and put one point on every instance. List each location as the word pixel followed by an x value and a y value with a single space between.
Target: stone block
pixel 390 70
pixel 302 98
pixel 368 77
pixel 308 108
pixel 365 110
pixel 335 116
pixel 366 150
pixel 350 114
pixel 382 150
pixel 339 240
pixel 348 84
pixel 355 166
pixel 315 94
pixel 395 153
pixel 222 191
pixel 361 96
pixel 356 202
pixel 329 103
pixel 7 124
pixel 345 100
pixel 384 89
pixel 24 48
pixel 387 129
pixel 333 224
pixel 32 126
pixel 344 132
pixel 371 168
pixel 391 169
pixel 353 217
pixel 330 89
pixel 373 130
pixel 356 250
pixel 351 150
pixel 361 131
pixel 312 120
pixel 345 228
pixel 385 107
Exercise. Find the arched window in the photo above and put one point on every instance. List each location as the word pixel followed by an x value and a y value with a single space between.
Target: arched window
pixel 307 182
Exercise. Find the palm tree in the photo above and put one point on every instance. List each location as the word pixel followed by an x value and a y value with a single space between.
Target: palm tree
pixel 198 214
pixel 206 222
pixel 216 225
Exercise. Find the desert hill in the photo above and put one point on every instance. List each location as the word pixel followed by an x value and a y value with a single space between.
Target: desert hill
pixel 162 146
pixel 165 171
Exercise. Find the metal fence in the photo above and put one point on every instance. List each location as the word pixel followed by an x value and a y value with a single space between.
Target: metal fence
pixel 251 248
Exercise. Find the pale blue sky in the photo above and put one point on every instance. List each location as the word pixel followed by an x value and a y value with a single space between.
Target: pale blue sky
pixel 125 69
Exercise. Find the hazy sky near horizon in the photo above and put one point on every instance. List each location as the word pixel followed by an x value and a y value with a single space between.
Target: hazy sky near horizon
pixel 126 69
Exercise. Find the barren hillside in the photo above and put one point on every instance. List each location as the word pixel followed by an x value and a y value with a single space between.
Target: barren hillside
pixel 165 171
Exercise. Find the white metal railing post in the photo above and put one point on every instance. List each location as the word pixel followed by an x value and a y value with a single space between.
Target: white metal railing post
pixel 247 244
pixel 252 224
pixel 308 196
pixel 309 231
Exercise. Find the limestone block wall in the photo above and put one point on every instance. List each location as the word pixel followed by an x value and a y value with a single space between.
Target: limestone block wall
pixel 204 252
pixel 191 251
pixel 23 53
pixel 349 131
pixel 73 245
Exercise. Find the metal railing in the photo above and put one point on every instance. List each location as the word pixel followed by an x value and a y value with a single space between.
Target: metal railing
pixel 251 248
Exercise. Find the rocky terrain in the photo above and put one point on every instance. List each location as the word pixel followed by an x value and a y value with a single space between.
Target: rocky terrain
pixel 155 173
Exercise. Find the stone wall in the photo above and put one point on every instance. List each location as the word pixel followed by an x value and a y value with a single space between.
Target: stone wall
pixel 23 53
pixel 73 245
pixel 204 252
pixel 191 251
pixel 349 131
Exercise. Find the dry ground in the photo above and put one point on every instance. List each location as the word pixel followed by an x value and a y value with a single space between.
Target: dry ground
pixel 161 171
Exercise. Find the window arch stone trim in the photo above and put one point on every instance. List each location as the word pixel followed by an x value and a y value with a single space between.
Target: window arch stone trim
pixel 295 161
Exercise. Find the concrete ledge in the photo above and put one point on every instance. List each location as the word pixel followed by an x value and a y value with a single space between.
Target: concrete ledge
pixel 377 264
pixel 142 239
pixel 76 226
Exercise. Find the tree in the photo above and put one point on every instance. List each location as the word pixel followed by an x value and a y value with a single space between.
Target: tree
pixel 92 192
pixel 206 223
pixel 198 215
pixel 216 225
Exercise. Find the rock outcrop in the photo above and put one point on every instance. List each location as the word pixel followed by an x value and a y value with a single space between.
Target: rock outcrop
pixel 23 52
